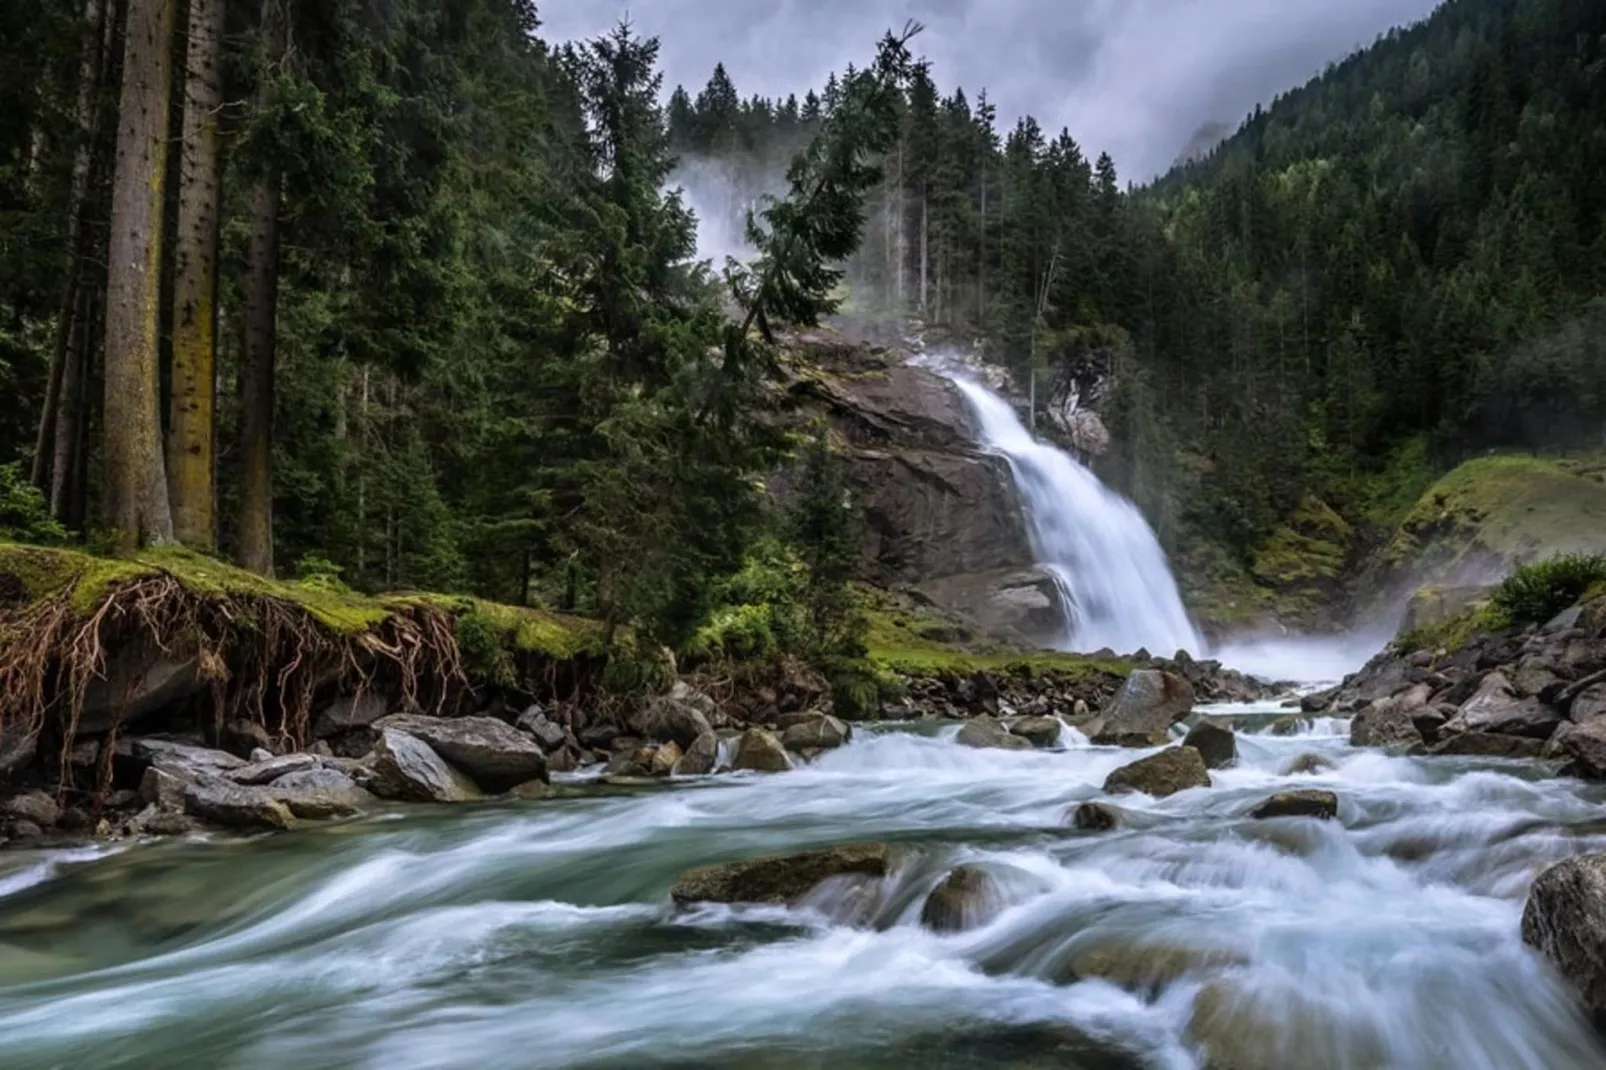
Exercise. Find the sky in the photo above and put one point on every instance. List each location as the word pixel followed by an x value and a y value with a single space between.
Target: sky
pixel 1135 78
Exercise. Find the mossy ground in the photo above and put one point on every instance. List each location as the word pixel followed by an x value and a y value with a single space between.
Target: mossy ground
pixel 918 642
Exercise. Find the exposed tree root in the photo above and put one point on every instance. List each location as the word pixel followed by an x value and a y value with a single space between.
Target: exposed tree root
pixel 263 659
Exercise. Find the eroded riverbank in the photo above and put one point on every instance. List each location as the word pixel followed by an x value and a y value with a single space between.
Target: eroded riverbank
pixel 541 934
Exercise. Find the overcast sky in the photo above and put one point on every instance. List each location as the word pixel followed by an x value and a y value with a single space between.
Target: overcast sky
pixel 1135 78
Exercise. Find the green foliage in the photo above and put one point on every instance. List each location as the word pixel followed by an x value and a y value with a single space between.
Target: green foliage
pixel 1535 593
pixel 827 531
pixel 24 514
pixel 858 687
pixel 479 643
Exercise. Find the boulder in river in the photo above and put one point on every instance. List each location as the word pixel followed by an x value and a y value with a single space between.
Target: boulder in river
pixel 1308 765
pixel 759 751
pixel 966 899
pixel 989 733
pixel 780 878
pixel 1487 745
pixel 408 768
pixel 320 794
pixel 1095 817
pixel 235 805
pixel 813 731
pixel 1216 745
pixel 1585 744
pixel 1317 804
pixel 1172 770
pixel 700 758
pixel 1142 712
pixel 495 755
pixel 1040 732
pixel 1565 921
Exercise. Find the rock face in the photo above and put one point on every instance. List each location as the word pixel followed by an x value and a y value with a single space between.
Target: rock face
pixel 1215 744
pixel 1172 770
pixel 349 712
pixel 1022 603
pixel 1565 921
pixel 780 878
pixel 760 752
pixel 408 768
pixel 1143 711
pixel 989 733
pixel 271 769
pixel 966 899
pixel 1318 804
pixel 135 682
pixel 496 756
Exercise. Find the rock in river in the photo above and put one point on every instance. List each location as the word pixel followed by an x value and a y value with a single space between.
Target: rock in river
pixel 1318 804
pixel 988 732
pixel 1143 711
pixel 700 759
pixel 1095 817
pixel 1215 744
pixel 966 899
pixel 407 768
pixel 761 752
pixel 320 794
pixel 814 731
pixel 780 878
pixel 235 805
pixel 1565 921
pixel 1172 770
pixel 495 756
pixel 1038 731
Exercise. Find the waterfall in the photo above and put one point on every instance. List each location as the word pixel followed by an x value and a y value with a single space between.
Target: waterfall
pixel 1118 589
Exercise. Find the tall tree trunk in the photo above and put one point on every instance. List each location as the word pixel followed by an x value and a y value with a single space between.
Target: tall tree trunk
pixel 136 483
pixel 191 468
pixel 65 432
pixel 91 69
pixel 925 247
pixel 261 340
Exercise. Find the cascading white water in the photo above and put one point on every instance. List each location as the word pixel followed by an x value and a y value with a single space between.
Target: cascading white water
pixel 1118 588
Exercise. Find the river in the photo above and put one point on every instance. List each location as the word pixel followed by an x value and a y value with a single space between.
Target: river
pixel 541 934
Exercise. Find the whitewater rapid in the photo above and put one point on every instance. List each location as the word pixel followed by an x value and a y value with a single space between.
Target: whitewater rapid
pixel 1111 570
pixel 541 934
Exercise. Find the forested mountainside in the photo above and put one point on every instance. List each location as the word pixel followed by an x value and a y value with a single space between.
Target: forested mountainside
pixel 1392 268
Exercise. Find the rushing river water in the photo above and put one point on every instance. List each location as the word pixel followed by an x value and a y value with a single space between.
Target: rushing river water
pixel 541 934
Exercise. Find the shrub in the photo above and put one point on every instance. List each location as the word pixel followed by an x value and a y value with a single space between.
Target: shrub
pixel 485 658
pixel 24 514
pixel 1535 593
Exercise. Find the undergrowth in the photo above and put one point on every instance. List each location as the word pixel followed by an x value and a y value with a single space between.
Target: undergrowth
pixel 1535 593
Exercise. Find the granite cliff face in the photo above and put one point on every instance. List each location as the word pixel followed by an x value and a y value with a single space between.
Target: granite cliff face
pixel 941 516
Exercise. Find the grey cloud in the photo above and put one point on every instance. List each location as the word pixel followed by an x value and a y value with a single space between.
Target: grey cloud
pixel 1135 78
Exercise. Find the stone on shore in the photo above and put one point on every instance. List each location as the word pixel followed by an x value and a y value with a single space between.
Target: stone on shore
pixel 759 751
pixel 235 805
pixel 408 768
pixel 493 754
pixel 1565 921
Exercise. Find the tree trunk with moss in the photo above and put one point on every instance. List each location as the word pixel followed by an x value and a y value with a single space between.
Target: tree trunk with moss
pixel 190 465
pixel 136 504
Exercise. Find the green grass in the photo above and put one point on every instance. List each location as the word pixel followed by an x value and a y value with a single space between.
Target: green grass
pixel 917 642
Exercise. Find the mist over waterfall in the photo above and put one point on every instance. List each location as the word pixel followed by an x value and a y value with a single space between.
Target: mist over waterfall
pixel 1116 583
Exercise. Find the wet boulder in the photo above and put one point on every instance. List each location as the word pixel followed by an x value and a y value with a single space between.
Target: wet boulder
pixel 1142 712
pixel 1586 703
pixel 664 758
pixel 813 731
pixel 700 758
pixel 759 751
pixel 1095 817
pixel 1172 770
pixel 780 878
pixel 1318 804
pixel 495 755
pixel 1565 921
pixel 408 768
pixel 1585 745
pixel 1040 732
pixel 320 794
pixel 1487 745
pixel 967 898
pixel 235 805
pixel 1149 965
pixel 1308 765
pixel 1215 743
pixel 989 733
